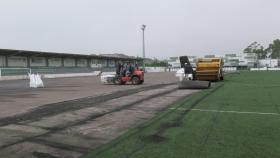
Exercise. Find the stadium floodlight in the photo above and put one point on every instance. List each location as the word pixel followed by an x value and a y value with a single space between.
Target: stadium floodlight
pixel 143 44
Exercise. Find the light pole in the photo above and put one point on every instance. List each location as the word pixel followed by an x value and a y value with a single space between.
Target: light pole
pixel 271 51
pixel 143 49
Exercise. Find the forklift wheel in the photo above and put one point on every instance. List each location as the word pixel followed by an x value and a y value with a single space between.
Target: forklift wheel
pixel 135 80
pixel 118 81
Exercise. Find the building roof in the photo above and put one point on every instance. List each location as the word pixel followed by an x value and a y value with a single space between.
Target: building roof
pixel 12 52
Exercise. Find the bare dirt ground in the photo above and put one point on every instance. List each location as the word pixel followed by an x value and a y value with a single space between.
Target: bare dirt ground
pixel 72 116
pixel 16 97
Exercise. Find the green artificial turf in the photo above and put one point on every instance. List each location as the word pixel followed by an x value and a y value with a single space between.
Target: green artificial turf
pixel 183 133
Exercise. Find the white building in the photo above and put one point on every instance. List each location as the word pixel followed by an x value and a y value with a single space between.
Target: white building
pixel 249 59
pixel 32 59
pixel 193 60
pixel 231 60
pixel 175 61
pixel 243 59
pixel 268 63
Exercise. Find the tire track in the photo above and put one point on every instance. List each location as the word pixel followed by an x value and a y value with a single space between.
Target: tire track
pixel 91 118
pixel 72 105
pixel 178 120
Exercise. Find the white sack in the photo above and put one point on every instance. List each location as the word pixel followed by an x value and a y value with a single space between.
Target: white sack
pixel 39 82
pixel 35 81
pixel 32 82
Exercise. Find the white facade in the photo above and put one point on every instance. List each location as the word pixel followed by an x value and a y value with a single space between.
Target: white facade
pixel 193 60
pixel 250 59
pixel 243 59
pixel 231 60
pixel 175 61
pixel 268 63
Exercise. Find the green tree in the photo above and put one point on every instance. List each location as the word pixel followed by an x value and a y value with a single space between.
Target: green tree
pixel 274 49
pixel 261 52
pixel 256 48
pixel 158 63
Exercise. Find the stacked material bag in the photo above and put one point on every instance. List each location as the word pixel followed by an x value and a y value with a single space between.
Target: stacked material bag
pixel 181 74
pixel 35 81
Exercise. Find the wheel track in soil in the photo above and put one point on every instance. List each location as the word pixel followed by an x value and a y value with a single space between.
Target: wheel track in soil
pixel 162 130
pixel 72 105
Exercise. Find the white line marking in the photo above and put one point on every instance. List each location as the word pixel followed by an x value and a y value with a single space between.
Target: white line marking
pixel 221 111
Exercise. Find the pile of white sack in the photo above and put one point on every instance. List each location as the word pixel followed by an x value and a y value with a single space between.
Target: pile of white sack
pixel 35 81
pixel 181 74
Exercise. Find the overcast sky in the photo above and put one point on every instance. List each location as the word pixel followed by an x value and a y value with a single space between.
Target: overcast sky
pixel 174 27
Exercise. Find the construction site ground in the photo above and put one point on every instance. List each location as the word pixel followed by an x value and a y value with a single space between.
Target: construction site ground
pixel 71 117
pixel 236 118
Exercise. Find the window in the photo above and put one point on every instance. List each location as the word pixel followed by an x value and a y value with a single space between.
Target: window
pixel 37 60
pixel 17 59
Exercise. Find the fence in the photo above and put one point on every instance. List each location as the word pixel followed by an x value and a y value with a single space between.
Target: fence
pixel 22 73
pixel 161 69
pixel 14 71
pixel 265 69
pixel 229 69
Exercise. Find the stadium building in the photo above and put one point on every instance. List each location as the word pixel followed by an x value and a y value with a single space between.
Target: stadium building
pixel 16 62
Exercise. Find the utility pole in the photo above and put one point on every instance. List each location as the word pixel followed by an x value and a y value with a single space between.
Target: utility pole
pixel 143 42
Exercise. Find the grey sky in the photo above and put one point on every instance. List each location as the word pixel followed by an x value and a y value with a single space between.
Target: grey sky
pixel 174 27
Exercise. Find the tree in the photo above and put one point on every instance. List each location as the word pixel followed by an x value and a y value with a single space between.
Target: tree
pixel 274 49
pixel 157 63
pixel 261 53
pixel 256 48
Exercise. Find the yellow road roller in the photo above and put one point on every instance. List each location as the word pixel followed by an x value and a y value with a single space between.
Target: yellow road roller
pixel 209 69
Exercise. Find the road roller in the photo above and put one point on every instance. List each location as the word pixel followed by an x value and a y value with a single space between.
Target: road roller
pixel 207 70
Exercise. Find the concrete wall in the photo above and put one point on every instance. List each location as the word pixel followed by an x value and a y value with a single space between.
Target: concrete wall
pixel 2 61
pixel 81 62
pixel 55 62
pixel 156 69
pixel 268 62
pixel 69 62
pixel 17 61
pixel 38 61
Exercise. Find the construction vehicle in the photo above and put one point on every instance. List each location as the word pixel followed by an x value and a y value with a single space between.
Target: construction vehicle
pixel 209 69
pixel 136 77
pixel 206 70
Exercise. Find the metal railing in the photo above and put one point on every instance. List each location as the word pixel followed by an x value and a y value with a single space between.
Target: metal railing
pixel 51 70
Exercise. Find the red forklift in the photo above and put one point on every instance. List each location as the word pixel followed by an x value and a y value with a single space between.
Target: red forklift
pixel 125 74
pixel 137 77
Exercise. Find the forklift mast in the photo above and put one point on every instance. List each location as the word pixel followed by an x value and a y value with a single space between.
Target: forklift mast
pixel 184 60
